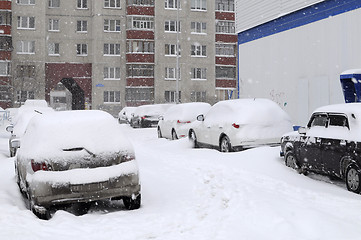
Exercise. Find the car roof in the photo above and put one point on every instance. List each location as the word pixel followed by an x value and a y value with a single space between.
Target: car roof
pixel 345 108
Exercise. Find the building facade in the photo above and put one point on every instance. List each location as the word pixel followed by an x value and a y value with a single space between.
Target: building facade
pixel 294 52
pixel 107 54
pixel 6 47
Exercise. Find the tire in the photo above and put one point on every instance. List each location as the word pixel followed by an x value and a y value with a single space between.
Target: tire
pixel 290 160
pixel 225 144
pixel 159 133
pixel 353 178
pixel 193 138
pixel 174 135
pixel 131 203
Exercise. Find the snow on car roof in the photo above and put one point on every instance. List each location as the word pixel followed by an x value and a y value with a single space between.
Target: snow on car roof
pixel 186 111
pixel 154 109
pixel 36 103
pixel 347 108
pixel 94 130
pixel 243 111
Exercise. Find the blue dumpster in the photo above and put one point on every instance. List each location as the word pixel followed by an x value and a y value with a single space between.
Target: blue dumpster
pixel 351 85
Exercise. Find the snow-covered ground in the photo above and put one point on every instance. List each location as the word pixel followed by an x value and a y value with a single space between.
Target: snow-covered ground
pixel 197 194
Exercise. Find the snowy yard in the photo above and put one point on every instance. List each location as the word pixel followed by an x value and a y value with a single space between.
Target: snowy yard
pixel 197 194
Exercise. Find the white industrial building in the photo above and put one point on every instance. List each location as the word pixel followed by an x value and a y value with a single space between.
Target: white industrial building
pixel 293 52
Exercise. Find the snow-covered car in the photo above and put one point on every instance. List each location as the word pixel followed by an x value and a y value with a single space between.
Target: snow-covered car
pixel 148 115
pixel 125 114
pixel 21 119
pixel 234 125
pixel 329 144
pixel 176 120
pixel 76 157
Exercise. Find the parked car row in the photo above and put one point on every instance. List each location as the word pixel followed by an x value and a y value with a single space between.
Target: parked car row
pixel 73 157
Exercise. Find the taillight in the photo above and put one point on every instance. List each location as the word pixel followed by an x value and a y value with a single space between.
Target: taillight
pixel 36 166
pixel 183 122
pixel 235 125
pixel 143 117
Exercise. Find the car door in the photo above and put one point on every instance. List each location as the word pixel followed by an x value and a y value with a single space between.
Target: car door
pixel 335 144
pixel 310 143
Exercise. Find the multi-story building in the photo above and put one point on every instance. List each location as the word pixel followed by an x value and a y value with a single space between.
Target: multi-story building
pixel 6 88
pixel 107 54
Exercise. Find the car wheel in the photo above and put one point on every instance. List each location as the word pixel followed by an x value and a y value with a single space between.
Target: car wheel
pixel 193 138
pixel 290 160
pixel 353 177
pixel 159 133
pixel 225 145
pixel 174 135
pixel 131 203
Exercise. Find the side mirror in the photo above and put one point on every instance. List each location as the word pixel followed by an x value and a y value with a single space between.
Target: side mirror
pixel 15 143
pixel 10 128
pixel 161 118
pixel 302 130
pixel 200 117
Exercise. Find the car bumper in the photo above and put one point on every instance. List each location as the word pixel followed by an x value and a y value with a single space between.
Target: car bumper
pixel 62 189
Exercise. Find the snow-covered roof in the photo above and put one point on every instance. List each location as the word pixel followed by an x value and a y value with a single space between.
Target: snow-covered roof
pixel 49 134
pixel 152 110
pixel 186 111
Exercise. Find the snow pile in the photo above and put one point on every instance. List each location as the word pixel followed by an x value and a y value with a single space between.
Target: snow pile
pixel 49 134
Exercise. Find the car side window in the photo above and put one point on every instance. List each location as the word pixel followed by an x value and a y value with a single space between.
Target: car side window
pixel 318 120
pixel 338 120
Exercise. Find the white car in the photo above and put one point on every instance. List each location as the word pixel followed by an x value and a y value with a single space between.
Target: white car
pixel 176 120
pixel 78 157
pixel 21 120
pixel 240 124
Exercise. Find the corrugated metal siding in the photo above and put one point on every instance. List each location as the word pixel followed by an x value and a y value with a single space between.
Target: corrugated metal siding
pixel 253 13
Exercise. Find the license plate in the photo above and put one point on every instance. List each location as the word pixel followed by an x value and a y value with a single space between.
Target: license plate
pixel 90 187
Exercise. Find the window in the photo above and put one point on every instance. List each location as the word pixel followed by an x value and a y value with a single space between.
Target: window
pixel 199 5
pixel 111 49
pixel 225 27
pixel 83 4
pixel 338 121
pixel 170 96
pixel 225 5
pixel 318 120
pixel 140 2
pixel 5 68
pixel 171 4
pixel 198 27
pixel 135 46
pixel 111 25
pixel 25 2
pixel 199 50
pixel 82 26
pixel 170 50
pixel 226 72
pixel 111 96
pixel 198 96
pixel 22 96
pixel 25 47
pixel 53 49
pixel 26 22
pixel 112 3
pixel 225 49
pixel 199 73
pixel 170 74
pixel 82 49
pixel 111 73
pixel 140 70
pixel 54 3
pixel 5 93
pixel 171 26
pixel 139 94
pixel 140 23
pixel 25 71
pixel 53 25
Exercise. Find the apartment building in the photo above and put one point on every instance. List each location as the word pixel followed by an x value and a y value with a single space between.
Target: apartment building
pixel 5 54
pixel 107 54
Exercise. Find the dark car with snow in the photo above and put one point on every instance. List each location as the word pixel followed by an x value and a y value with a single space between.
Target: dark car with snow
pixel 76 157
pixel 330 144
pixel 147 116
